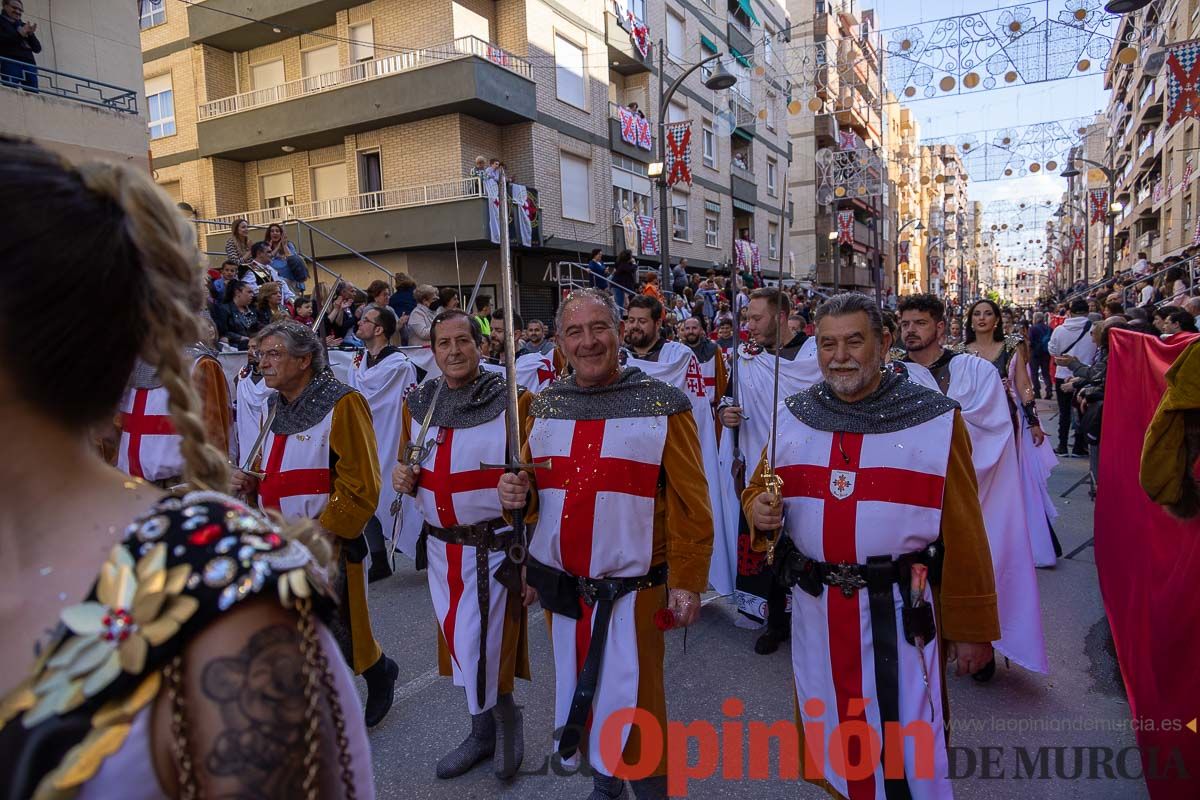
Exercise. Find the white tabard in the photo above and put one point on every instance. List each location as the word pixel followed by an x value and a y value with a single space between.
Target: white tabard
pixel 149 446
pixel 453 490
pixel 678 366
pixel 535 371
pixel 975 385
pixel 596 519
pixel 384 386
pixel 296 472
pixel 250 411
pixel 848 497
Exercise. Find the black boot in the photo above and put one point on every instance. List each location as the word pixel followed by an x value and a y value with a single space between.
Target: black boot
pixel 381 689
pixel 479 744
pixel 769 642
pixel 510 738
pixel 605 787
pixel 984 675
pixel 380 568
pixel 653 788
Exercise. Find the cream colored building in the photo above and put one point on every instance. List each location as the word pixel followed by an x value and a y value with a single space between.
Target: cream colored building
pixel 367 123
pixel 89 102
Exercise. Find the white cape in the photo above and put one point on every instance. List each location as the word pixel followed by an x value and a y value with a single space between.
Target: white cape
pixel 756 376
pixel 250 411
pixel 1036 464
pixel 677 365
pixel 384 386
pixel 976 386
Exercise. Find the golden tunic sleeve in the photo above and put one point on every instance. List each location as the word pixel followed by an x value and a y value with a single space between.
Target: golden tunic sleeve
pixel 722 377
pixel 967 594
pixel 688 519
pixel 210 383
pixel 531 510
pixel 355 467
pixel 759 540
pixel 405 427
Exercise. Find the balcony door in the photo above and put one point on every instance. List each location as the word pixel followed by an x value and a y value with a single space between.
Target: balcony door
pixel 370 178
pixel 329 190
pixel 320 67
pixel 278 195
pixel 266 78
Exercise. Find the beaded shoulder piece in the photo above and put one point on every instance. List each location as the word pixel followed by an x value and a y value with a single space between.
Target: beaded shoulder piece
pixel 179 567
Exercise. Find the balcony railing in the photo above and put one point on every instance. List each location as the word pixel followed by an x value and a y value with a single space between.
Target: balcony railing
pixel 386 200
pixel 1146 143
pixel 40 80
pixel 462 47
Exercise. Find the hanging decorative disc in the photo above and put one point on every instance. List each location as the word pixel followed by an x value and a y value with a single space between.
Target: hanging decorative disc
pixel 814 104
pixel 1052 165
pixel 762 114
pixel 924 180
pixel 910 91
pixel 940 179
pixel 1081 14
pixel 1127 55
pixel 1081 131
pixel 795 107
pixel 1010 76
pixel 1015 25
pixel 840 191
pixel 947 83
pixel 1035 167
pixel 971 80
pixel 966 146
pixel 760 70
pixel 1084 65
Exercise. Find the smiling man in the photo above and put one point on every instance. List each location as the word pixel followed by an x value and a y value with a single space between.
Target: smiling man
pixel 623 510
pixel 877 480
pixel 319 462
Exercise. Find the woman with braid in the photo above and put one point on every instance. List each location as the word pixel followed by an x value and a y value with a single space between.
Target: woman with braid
pixel 159 646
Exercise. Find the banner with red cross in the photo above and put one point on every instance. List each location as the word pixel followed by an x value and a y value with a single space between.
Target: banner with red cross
pixel 1187 175
pixel 639 34
pixel 845 227
pixel 1099 201
pixel 1077 236
pixel 644 139
pixel 678 164
pixel 629 126
pixel 1183 75
pixel 904 251
pixel 649 235
pixel 846 140
pixel 1196 231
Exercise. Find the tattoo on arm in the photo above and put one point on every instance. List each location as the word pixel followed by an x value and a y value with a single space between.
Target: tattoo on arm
pixel 258 753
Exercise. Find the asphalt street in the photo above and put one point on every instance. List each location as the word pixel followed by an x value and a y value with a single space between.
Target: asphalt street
pixel 1021 735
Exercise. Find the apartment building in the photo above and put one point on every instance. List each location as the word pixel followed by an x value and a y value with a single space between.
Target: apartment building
pixel 950 228
pixel 89 101
pixel 908 197
pixel 851 100
pixel 364 120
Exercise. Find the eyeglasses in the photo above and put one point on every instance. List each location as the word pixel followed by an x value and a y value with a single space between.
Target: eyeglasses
pixel 274 354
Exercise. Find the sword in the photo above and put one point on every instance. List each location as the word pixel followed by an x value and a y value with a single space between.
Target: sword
pixel 917 596
pixel 519 549
pixel 738 468
pixel 771 478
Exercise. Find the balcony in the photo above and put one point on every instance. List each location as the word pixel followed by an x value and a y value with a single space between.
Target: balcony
pixel 743 189
pixel 393 219
pixel 623 55
pixel 740 37
pixel 619 145
pixel 237 25
pixel 467 76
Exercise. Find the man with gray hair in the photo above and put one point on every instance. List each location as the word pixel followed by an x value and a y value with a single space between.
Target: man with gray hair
pixel 319 462
pixel 877 521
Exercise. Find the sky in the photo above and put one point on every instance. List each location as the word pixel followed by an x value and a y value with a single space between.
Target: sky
pixel 1007 107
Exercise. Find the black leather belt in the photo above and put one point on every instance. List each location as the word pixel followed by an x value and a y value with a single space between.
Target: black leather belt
pixel 561 593
pixel 482 536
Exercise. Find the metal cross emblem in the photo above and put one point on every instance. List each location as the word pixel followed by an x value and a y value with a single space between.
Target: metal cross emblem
pixel 845 576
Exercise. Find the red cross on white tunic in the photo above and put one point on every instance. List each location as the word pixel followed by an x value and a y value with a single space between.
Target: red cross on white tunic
pixel 137 423
pixel 444 484
pixel 277 484
pixel 844 478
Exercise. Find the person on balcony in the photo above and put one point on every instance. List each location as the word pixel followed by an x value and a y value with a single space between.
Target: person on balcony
pixel 237 246
pixel 284 258
pixel 18 43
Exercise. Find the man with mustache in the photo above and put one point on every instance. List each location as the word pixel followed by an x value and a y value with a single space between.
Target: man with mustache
pixel 878 496
pixel 975 385
pixel 712 362
pixel 464 539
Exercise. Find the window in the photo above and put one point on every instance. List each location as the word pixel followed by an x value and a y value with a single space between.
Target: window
pixel 277 190
pixel 329 181
pixel 629 165
pixel 712 223
pixel 768 46
pixel 568 70
pixel 772 101
pixel 576 184
pixel 679 216
pixel 772 170
pixel 772 240
pixel 267 74
pixel 362 42
pixel 173 189
pixel 676 112
pixel 631 187
pixel 151 13
pixel 628 200
pixel 160 99
pixel 710 144
pixel 675 29
pixel 319 61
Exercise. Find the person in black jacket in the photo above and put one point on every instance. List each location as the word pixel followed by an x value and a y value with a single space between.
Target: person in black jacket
pixel 235 318
pixel 624 277
pixel 17 46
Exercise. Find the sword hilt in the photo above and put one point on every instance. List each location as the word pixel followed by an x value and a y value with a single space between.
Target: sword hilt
pixel 518 551
pixel 774 485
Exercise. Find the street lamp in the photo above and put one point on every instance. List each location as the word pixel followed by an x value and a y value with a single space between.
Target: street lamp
pixel 720 78
pixel 1110 175
pixel 837 257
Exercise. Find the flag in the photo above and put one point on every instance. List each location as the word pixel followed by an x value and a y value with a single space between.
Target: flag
pixel 629 224
pixel 643 133
pixel 1099 200
pixel 846 140
pixel 1183 74
pixel 649 235
pixel 903 251
pixel 1077 234
pixel 639 34
pixel 678 164
pixel 629 125
pixel 845 227
pixel 1196 232
pixel 1187 174
pixel 525 212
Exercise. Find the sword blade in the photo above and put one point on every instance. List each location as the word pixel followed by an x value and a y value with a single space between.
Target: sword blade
pixel 256 448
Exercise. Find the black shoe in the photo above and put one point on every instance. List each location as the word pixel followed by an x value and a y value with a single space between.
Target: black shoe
pixel 380 568
pixel 1076 454
pixel 1061 452
pixel 984 675
pixel 769 642
pixel 381 689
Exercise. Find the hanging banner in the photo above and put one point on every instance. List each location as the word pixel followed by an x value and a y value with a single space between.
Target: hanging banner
pixel 629 125
pixel 644 140
pixel 629 224
pixel 1099 201
pixel 1077 236
pixel 846 140
pixel 903 251
pixel 1183 74
pixel 525 213
pixel 678 164
pixel 845 227
pixel 1196 232
pixel 1158 190
pixel 649 235
pixel 639 34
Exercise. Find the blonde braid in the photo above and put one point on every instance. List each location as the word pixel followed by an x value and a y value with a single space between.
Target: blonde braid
pixel 172 296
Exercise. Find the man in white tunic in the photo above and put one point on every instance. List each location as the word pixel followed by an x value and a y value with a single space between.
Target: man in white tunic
pixel 382 375
pixel 881 526
pixel 623 535
pixel 250 406
pixel 975 385
pixel 480 617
